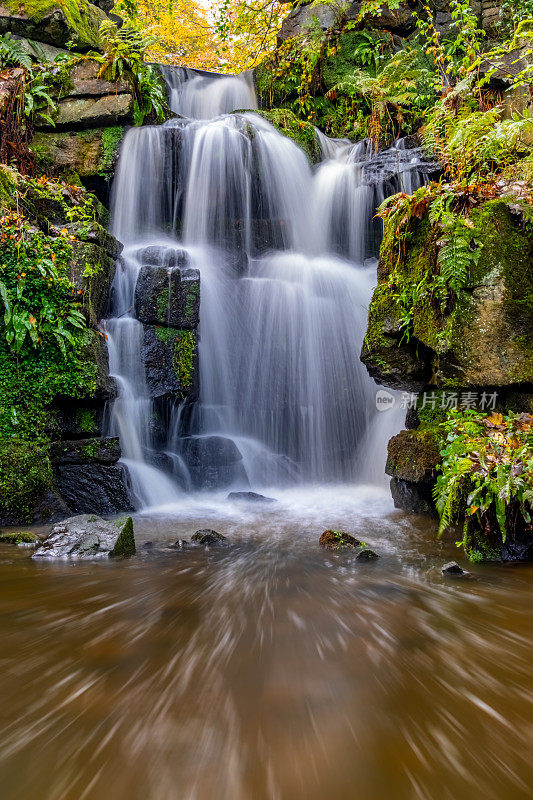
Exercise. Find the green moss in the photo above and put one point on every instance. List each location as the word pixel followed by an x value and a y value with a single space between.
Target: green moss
pixel 163 300
pixel 347 54
pixel 125 544
pixel 183 360
pixel 303 133
pixel 25 478
pixel 413 455
pixel 86 420
pixel 82 17
pixel 21 537
pixel 191 302
pixel 477 550
pixel 91 449
pixel 8 187
pixel 111 140
pixel 165 335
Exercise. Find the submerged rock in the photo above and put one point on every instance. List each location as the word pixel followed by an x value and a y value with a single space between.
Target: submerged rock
pixel 338 540
pixel 453 568
pixel 367 554
pixel 207 537
pixel 88 537
pixel 251 497
pixel 181 544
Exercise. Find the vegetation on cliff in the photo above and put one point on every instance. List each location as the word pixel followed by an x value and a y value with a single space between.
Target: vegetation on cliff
pixel 486 479
pixel 45 343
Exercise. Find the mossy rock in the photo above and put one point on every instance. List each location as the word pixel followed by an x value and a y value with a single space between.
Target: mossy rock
pixel 303 133
pixel 338 540
pixel 414 455
pixel 125 544
pixel 90 153
pixel 26 479
pixel 171 361
pixel 8 187
pixel 21 537
pixel 208 537
pixel 487 337
pixel 92 272
pixel 54 22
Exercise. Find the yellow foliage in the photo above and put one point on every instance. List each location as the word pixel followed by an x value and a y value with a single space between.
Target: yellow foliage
pixel 183 31
pixel 230 36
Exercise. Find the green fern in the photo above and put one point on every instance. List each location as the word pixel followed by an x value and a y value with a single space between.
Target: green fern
pixel 13 54
pixel 449 493
pixel 457 257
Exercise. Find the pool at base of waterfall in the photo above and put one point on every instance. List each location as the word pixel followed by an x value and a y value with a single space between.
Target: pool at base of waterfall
pixel 267 667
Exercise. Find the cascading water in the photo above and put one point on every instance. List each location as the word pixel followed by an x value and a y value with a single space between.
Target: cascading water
pixel 284 293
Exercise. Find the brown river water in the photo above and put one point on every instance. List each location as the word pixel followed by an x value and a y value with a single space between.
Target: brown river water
pixel 268 668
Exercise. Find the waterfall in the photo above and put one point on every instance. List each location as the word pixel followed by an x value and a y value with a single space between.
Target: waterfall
pixel 203 95
pixel 282 253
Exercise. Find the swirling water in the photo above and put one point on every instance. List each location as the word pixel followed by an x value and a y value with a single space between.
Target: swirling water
pixel 267 669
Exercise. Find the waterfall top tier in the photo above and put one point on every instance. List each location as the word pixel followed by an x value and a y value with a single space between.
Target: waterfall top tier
pixel 204 95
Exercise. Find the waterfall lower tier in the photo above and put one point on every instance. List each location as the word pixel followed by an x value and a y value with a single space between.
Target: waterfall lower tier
pixel 270 390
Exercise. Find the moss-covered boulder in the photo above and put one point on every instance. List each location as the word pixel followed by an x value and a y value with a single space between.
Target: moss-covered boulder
pixel 485 336
pixel 88 155
pixel 412 460
pixel 54 22
pixel 20 538
pixel 85 537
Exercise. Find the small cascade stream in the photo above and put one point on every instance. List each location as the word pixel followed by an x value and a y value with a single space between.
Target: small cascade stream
pixel 285 258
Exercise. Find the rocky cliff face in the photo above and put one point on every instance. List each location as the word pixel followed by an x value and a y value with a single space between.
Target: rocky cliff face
pixel 472 352
pixel 399 22
pixel 79 470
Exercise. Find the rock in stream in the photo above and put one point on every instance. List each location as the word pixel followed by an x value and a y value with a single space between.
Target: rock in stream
pixel 87 537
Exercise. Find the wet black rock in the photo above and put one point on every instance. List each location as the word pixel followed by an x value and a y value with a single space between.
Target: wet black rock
pixel 182 544
pixel 86 451
pixel 207 537
pixel 414 497
pixel 86 537
pixel 453 568
pixel 214 462
pixel 171 370
pixel 95 488
pixel 168 296
pixel 367 554
pixel 251 497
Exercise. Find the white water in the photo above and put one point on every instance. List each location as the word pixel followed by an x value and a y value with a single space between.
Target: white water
pixel 285 290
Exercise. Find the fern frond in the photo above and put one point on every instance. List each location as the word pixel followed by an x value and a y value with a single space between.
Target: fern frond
pixel 13 54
